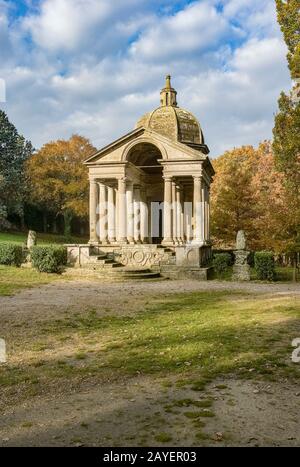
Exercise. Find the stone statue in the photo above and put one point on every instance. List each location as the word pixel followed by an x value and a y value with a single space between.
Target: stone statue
pixel 241 243
pixel 2 351
pixel 241 268
pixel 31 239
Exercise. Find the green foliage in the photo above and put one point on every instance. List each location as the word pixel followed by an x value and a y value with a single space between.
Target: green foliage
pixel 264 265
pixel 11 254
pixel 287 121
pixel 288 13
pixel 14 151
pixel 222 262
pixel 49 259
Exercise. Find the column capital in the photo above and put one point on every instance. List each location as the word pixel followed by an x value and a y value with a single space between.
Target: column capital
pixel 167 178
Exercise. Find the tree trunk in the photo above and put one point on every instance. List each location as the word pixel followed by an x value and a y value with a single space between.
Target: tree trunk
pixel 54 229
pixel 45 222
pixel 22 221
pixel 68 216
pixel 295 268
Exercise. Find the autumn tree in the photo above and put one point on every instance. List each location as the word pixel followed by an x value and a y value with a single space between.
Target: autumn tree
pixel 248 193
pixel 59 180
pixel 232 208
pixel 14 151
pixel 287 121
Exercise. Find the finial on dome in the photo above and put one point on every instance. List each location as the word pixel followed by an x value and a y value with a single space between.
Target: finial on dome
pixel 168 94
pixel 168 82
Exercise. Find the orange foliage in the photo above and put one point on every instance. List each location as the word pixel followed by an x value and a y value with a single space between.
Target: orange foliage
pixel 248 193
pixel 58 179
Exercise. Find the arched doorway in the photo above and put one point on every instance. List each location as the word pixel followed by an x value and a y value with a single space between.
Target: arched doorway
pixel 146 158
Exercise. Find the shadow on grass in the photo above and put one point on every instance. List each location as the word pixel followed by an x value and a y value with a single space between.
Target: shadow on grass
pixel 197 336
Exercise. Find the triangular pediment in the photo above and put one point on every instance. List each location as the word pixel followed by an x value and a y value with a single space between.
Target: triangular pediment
pixel 170 149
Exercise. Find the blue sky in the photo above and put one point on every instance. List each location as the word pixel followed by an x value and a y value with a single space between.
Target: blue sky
pixel 93 67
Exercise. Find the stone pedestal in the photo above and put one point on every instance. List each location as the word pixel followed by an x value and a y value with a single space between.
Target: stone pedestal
pixel 241 268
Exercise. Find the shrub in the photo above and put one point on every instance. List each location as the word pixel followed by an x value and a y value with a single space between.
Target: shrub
pixel 221 262
pixel 264 265
pixel 11 254
pixel 49 258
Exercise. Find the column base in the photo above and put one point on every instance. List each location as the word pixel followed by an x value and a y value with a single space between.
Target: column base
pixel 167 242
pixel 197 242
pixel 93 242
pixel 123 240
pixel 104 242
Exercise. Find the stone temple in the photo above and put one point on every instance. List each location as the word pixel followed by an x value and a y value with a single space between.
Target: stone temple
pixel 150 197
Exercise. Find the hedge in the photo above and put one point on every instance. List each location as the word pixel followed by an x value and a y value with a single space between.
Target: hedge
pixel 49 258
pixel 11 254
pixel 264 265
pixel 221 262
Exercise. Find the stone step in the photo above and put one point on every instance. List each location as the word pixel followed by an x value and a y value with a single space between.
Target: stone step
pixel 143 275
pixel 100 266
pixel 134 271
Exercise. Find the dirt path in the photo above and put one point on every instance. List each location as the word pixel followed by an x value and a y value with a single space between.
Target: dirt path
pixel 46 300
pixel 142 410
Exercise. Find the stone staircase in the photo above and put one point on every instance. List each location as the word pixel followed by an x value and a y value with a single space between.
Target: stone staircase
pixel 104 265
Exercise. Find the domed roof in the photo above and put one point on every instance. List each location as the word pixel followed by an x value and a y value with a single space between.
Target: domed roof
pixel 173 122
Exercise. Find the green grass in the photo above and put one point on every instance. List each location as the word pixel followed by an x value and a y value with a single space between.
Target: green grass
pixel 43 239
pixel 193 338
pixel 14 279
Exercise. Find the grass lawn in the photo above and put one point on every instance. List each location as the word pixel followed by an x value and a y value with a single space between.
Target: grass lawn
pixel 44 239
pixel 14 279
pixel 192 337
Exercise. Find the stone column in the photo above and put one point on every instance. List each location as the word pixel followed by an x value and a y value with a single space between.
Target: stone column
pixel 122 214
pixel 178 215
pixel 144 217
pixel 203 214
pixel 204 211
pixel 197 208
pixel 103 213
pixel 93 211
pixel 174 212
pixel 208 213
pixel 182 235
pixel 137 213
pixel 111 215
pixel 130 212
pixel 167 211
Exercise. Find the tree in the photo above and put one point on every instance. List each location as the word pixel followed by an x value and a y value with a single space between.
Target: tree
pixel 14 152
pixel 59 180
pixel 248 193
pixel 288 14
pixel 232 208
pixel 287 121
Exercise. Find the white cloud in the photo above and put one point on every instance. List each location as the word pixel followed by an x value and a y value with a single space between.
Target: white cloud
pixel 194 29
pixel 95 66
pixel 63 24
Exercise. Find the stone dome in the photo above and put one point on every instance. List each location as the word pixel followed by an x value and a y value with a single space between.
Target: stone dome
pixel 172 121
